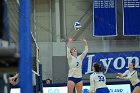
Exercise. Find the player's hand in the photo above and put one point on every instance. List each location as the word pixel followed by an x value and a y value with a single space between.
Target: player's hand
pixel 70 39
pixel 119 77
pixel 120 74
pixel 12 82
pixel 83 40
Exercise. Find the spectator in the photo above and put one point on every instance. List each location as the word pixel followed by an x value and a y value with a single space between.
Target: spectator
pixel 48 81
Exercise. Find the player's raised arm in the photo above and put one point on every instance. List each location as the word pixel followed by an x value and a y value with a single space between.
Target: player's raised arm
pixel 86 48
pixel 69 44
pixel 84 42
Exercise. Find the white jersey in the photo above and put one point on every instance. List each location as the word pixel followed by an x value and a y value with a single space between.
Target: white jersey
pixel 75 63
pixel 97 80
pixel 132 76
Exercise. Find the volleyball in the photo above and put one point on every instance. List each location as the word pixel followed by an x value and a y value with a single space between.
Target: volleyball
pixel 77 25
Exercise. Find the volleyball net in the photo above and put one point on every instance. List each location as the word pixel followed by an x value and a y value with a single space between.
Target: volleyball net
pixel 12 7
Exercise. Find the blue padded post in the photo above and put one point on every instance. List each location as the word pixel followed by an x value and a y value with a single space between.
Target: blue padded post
pixel 25 49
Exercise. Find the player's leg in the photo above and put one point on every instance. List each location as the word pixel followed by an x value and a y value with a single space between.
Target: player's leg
pixel 79 86
pixel 70 86
pixel 136 90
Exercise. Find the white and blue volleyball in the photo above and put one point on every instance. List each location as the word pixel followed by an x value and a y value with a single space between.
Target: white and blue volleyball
pixel 77 25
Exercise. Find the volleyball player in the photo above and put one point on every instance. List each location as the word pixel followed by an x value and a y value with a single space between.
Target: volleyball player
pixel 75 66
pixel 98 80
pixel 131 74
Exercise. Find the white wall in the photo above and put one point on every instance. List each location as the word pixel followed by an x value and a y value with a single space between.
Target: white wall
pixel 46 51
pixel 45 57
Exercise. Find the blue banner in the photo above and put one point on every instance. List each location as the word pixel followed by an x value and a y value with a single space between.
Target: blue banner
pixel 131 17
pixel 114 62
pixel 104 18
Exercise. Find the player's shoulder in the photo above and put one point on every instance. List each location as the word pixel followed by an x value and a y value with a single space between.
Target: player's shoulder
pixel 93 74
pixel 99 73
pixel 135 71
